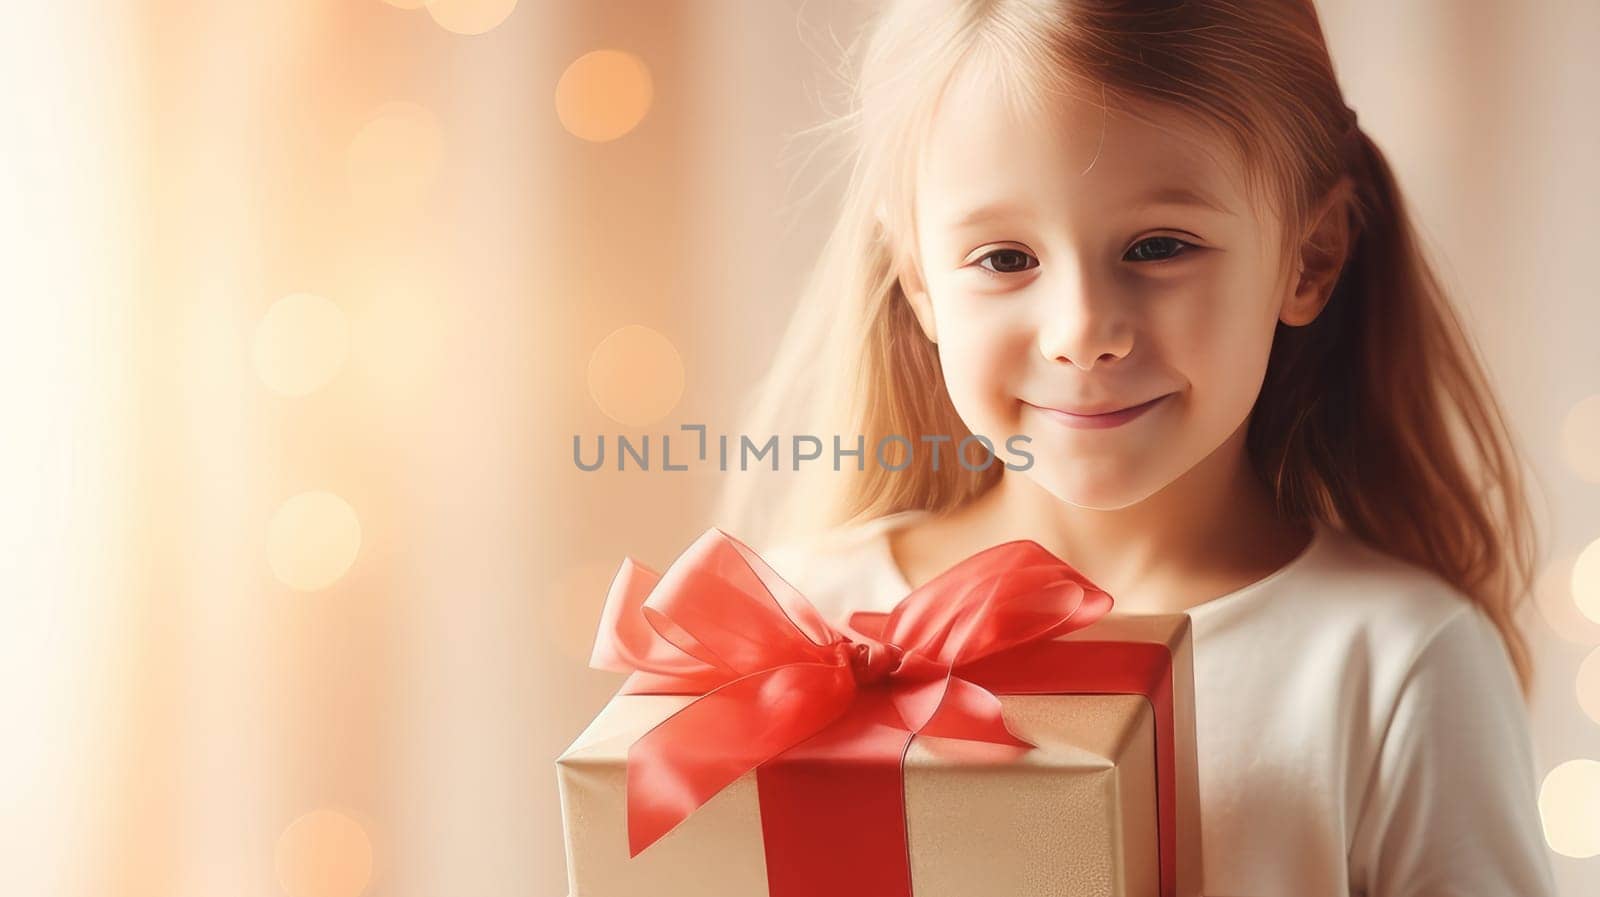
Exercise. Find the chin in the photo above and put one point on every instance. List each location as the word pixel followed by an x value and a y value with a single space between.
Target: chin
pixel 1094 488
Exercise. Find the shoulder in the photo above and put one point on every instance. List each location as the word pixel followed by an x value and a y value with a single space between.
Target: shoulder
pixel 807 563
pixel 1387 610
pixel 1348 628
pixel 1373 578
pixel 844 568
pixel 1421 650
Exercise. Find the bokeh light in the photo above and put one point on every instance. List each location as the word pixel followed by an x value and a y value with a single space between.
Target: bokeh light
pixel 300 344
pixel 324 854
pixel 1586 581
pixel 1568 804
pixel 1580 438
pixel 393 160
pixel 312 540
pixel 603 95
pixel 1553 596
pixel 1588 687
pixel 636 375
pixel 470 16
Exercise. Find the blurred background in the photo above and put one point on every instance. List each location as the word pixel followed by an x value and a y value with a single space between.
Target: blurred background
pixel 304 302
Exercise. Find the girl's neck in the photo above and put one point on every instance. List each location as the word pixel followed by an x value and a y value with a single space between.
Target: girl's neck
pixel 1210 532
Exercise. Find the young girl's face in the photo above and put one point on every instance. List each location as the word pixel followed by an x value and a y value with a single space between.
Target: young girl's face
pixel 1090 261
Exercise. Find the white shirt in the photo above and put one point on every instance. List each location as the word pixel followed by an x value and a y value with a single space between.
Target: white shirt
pixel 1359 726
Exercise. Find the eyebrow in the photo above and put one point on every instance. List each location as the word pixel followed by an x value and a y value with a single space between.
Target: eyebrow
pixel 1182 196
pixel 990 212
pixel 1165 196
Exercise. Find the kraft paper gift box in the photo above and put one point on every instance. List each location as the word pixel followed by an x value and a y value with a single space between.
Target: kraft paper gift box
pixel 1087 788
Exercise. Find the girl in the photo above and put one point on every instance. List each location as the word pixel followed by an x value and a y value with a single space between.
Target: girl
pixel 1150 240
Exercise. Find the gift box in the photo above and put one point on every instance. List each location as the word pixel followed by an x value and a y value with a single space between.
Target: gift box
pixel 1001 731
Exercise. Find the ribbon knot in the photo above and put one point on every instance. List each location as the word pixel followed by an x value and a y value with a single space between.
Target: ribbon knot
pixel 870 661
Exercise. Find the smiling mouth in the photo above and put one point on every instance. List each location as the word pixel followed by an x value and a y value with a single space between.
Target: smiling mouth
pixel 1102 420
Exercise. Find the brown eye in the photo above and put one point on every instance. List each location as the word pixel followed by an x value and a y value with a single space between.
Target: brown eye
pixel 1008 261
pixel 1156 249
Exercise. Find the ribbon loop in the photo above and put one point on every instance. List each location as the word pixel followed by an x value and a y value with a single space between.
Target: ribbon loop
pixel 771 673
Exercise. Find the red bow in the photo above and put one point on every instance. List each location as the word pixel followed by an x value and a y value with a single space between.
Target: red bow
pixel 772 673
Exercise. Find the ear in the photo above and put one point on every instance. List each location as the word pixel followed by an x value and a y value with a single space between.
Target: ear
pixel 916 293
pixel 909 278
pixel 1321 256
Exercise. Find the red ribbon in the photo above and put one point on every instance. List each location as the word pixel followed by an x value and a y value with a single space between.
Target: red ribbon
pixel 825 716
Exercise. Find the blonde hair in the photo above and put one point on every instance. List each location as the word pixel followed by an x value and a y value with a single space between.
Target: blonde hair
pixel 1376 418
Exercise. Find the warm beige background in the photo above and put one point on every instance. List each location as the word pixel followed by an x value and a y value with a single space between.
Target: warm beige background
pixel 300 574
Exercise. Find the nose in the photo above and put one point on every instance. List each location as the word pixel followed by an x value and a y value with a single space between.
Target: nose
pixel 1083 326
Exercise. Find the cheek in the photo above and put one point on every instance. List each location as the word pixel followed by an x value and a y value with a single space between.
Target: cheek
pixel 1221 341
pixel 983 355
